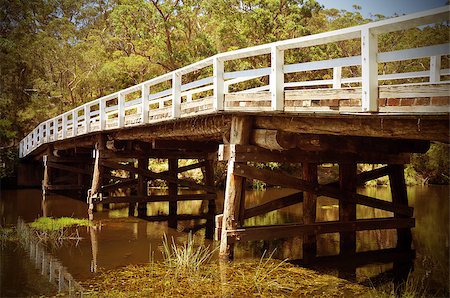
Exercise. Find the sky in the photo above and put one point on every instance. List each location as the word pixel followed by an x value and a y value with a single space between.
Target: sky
pixel 385 7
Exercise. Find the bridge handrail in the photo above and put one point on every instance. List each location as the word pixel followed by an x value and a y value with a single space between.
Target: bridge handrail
pixel 96 115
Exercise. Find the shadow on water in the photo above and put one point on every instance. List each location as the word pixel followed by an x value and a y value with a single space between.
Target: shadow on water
pixel 119 240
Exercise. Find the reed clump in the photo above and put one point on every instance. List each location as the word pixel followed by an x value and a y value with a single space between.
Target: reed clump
pixel 186 257
pixel 57 230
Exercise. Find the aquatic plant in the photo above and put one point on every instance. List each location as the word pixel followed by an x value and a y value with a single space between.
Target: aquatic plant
pixel 187 257
pixel 56 230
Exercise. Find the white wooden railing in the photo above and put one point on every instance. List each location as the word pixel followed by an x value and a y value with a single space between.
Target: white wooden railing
pixel 139 105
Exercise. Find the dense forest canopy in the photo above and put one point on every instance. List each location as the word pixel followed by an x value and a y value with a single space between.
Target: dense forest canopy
pixel 58 54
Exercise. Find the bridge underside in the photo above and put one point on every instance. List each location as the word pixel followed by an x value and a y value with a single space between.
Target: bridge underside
pixel 119 172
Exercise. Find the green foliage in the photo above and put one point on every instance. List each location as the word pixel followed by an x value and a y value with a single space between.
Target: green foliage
pixel 48 224
pixel 433 166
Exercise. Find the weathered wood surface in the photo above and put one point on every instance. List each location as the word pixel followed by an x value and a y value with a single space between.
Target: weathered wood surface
pixel 292 230
pixel 280 179
pixel 275 204
pixel 244 153
pixel 347 207
pixel 152 175
pixel 309 209
pixel 419 127
pixel 234 189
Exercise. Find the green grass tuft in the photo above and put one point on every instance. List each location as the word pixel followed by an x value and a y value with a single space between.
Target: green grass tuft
pixel 49 224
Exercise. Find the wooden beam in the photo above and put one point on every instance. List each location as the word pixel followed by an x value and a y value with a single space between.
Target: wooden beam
pixel 195 128
pixel 276 204
pixel 156 198
pixel 320 190
pixel 121 184
pixel 419 127
pixel 281 140
pixel 152 175
pixel 65 187
pixel 99 170
pixel 292 230
pixel 244 153
pixel 68 168
pixel 166 154
pixel 184 144
pixel 142 186
pixel 75 159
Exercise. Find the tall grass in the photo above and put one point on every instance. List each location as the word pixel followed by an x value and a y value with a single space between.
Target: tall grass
pixel 265 270
pixel 57 230
pixel 187 257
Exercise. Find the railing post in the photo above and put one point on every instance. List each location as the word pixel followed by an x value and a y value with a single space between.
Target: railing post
pixel 121 110
pixel 74 123
pixel 21 149
pixel 277 78
pixel 55 129
pixel 369 53
pixel 101 114
pixel 35 137
pixel 435 69
pixel 87 118
pixel 41 133
pixel 218 84
pixel 64 126
pixel 176 95
pixel 145 92
pixel 337 77
pixel 47 131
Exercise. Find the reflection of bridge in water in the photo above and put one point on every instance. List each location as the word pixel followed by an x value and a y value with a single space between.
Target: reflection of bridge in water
pixel 210 110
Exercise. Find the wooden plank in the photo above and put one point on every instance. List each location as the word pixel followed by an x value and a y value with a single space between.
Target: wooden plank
pixel 276 204
pixel 320 190
pixel 292 230
pixel 152 175
pixel 414 91
pixel 244 153
pixel 68 168
pixel 156 198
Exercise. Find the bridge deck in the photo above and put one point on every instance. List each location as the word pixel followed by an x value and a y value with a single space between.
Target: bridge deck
pixel 215 86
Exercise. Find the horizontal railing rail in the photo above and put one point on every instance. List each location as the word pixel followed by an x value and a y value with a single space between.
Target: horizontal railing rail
pixel 167 97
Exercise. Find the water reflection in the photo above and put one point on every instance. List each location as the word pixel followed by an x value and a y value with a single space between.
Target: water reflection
pixel 118 240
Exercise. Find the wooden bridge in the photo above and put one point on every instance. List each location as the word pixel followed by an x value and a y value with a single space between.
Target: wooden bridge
pixel 213 110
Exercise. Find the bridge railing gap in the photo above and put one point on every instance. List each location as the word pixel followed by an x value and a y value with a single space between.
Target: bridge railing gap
pixel 215 93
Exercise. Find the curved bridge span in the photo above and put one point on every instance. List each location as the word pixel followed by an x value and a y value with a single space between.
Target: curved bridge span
pixel 344 110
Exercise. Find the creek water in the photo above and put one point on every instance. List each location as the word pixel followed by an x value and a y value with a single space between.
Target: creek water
pixel 119 240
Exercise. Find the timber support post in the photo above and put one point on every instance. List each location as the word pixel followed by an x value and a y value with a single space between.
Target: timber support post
pixel 173 193
pixel 400 197
pixel 98 173
pixel 309 211
pixel 142 187
pixel 347 209
pixel 239 135
pixel 209 181
pixel 48 175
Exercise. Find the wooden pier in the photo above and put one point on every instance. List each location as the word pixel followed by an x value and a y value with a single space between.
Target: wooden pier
pixel 105 145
